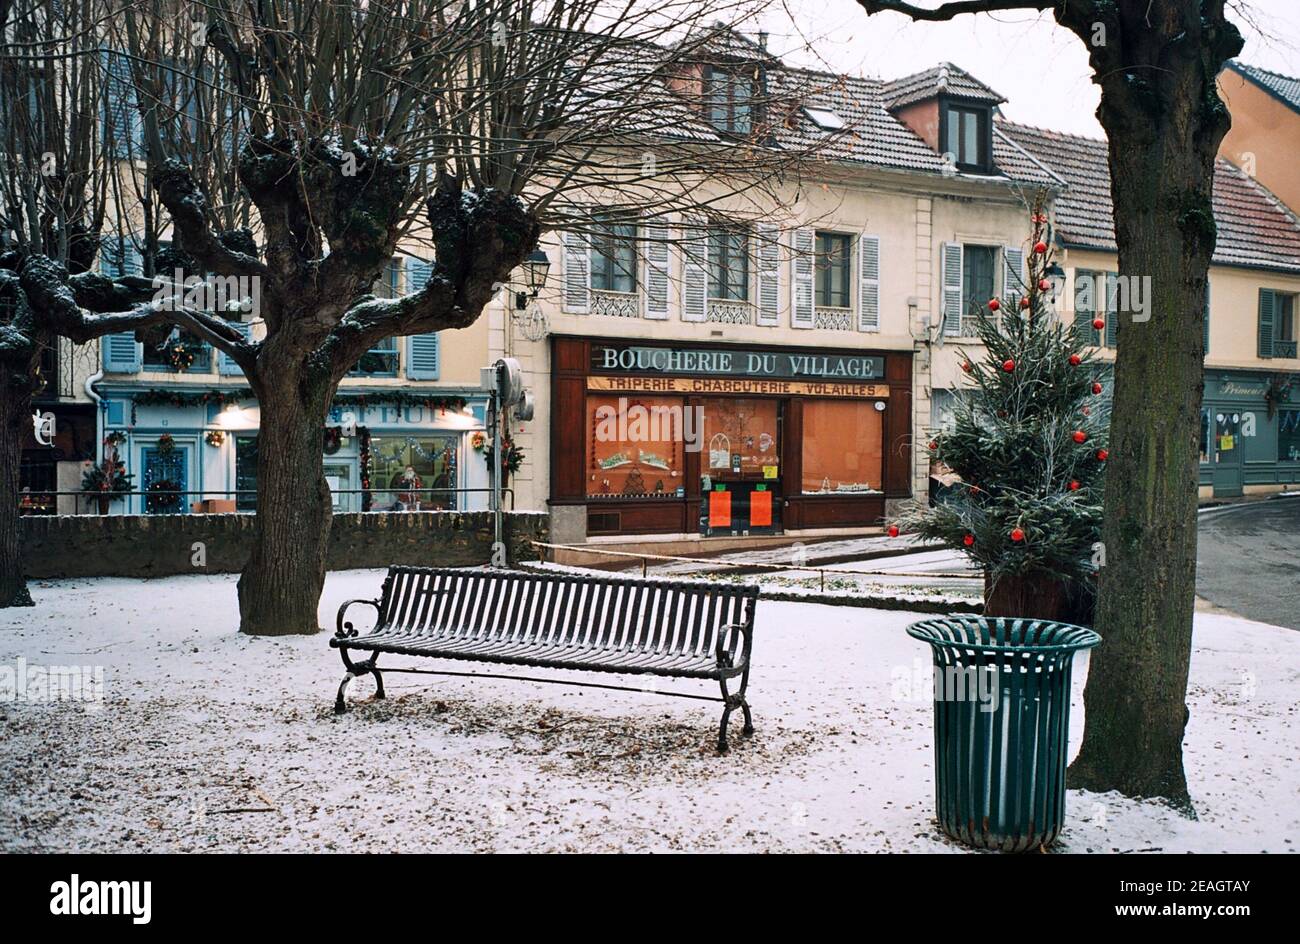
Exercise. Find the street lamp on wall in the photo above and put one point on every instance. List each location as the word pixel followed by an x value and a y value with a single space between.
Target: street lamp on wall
pixel 535 269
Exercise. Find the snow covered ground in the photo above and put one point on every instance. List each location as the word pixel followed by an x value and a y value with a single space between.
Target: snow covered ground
pixel 208 740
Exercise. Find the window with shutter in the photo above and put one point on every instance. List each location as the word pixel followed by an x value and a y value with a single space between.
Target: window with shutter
pixel 803 269
pixel 123 127
pixel 422 357
pixel 1112 313
pixel 769 275
pixel 657 283
pixel 951 279
pixel 1013 271
pixel 577 274
pixel 225 363
pixel 869 283
pixel 418 272
pixel 1086 305
pixel 122 353
pixel 695 275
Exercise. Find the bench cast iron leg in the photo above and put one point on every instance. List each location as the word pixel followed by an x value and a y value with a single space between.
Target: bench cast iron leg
pixel 730 703
pixel 356 670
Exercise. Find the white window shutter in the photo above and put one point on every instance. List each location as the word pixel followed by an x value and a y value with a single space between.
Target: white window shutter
pixel 1013 271
pixel 769 275
pixel 657 283
pixel 695 277
pixel 803 269
pixel 577 274
pixel 951 289
pixel 869 283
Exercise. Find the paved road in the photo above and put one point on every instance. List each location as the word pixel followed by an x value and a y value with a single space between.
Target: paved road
pixel 1248 560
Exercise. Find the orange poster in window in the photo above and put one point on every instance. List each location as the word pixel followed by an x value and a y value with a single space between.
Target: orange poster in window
pixel 719 509
pixel 760 509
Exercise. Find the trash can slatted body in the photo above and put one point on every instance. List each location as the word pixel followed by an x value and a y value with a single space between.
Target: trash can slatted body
pixel 1002 711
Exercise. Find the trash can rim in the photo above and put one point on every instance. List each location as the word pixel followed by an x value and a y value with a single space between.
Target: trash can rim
pixel 1086 639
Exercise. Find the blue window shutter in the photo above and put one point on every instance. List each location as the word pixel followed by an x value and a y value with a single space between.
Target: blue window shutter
pixel 124 128
pixel 417 274
pixel 115 415
pixel 422 357
pixel 1205 319
pixel 1267 306
pixel 225 363
pixel 122 353
pixel 1111 316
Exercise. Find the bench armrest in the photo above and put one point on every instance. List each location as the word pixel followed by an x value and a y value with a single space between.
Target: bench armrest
pixel 345 630
pixel 726 637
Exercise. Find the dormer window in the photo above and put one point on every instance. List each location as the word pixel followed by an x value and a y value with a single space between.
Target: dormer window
pixel 966 134
pixel 729 99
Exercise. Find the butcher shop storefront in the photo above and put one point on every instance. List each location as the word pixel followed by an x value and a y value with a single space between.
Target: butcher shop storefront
pixel 720 439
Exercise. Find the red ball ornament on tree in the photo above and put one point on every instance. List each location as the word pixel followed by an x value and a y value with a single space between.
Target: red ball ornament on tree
pixel 1098 323
pixel 967 366
pixel 1096 387
pixel 1075 360
pixel 968 540
pixel 1074 485
pixel 934 444
pixel 1040 247
pixel 1017 535
pixel 1008 365
pixel 1024 302
pixel 1102 455
pixel 1044 285
pixel 994 304
pixel 893 530
pixel 1079 436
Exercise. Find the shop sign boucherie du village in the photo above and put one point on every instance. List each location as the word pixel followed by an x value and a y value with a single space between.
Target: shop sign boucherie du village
pixel 644 369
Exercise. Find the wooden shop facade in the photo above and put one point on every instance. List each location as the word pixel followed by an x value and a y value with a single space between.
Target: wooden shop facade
pixel 727 439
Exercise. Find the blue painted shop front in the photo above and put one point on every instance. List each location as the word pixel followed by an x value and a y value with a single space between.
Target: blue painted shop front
pixel 1250 431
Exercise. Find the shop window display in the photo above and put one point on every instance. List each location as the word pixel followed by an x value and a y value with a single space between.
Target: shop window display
pixel 406 468
pixel 634 446
pixel 842 451
pixel 740 438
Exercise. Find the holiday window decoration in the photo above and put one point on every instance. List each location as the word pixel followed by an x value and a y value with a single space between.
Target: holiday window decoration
pixel 214 437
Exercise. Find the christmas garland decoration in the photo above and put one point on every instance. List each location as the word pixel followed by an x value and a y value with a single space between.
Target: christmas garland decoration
pixel 363 451
pixel 223 398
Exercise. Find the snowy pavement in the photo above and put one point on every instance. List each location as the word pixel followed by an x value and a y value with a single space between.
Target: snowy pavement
pixel 208 740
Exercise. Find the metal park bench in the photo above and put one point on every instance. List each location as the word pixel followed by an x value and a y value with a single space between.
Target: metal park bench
pixel 559 621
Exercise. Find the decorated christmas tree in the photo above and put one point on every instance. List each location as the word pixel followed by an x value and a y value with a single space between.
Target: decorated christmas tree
pixel 1027 442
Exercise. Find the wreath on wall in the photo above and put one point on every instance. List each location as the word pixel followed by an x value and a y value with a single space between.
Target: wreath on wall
pixel 215 437
pixel 478 441
pixel 166 444
pixel 181 352
pixel 333 439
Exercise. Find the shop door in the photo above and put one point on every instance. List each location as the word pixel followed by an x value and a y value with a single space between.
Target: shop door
pixel 1228 453
pixel 165 471
pixel 740 480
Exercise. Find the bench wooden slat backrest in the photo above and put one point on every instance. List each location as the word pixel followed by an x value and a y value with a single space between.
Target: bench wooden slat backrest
pixel 672 618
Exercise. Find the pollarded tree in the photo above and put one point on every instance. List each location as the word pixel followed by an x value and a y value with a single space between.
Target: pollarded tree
pixel 466 126
pixel 1157 65
pixel 54 203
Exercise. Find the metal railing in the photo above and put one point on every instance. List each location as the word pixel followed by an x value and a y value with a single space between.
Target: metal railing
pixel 45 502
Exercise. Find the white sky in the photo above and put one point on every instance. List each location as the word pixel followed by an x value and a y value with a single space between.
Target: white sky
pixel 1039 67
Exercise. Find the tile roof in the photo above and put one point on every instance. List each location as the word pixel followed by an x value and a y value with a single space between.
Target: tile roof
pixel 1255 229
pixel 1284 87
pixel 872 135
pixel 943 79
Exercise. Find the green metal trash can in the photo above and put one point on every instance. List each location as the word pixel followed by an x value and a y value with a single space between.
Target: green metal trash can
pixel 1001 726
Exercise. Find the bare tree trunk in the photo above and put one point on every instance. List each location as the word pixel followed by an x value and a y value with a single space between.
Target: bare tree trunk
pixel 15 422
pixel 280 587
pixel 1162 154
